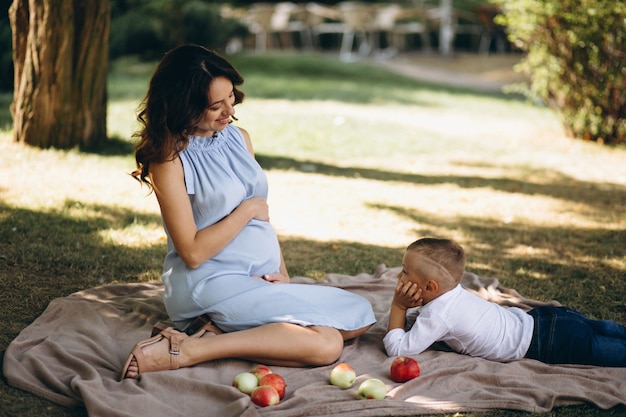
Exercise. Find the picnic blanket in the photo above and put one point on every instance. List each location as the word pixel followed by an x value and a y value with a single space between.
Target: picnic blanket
pixel 72 355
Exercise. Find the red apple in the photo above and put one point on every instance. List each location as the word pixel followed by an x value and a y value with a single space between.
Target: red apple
pixel 260 371
pixel 275 381
pixel 245 382
pixel 342 376
pixel 265 395
pixel 404 369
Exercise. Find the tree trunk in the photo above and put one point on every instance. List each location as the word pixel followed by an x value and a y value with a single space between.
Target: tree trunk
pixel 60 54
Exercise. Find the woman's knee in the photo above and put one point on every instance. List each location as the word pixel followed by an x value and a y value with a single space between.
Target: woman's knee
pixel 353 334
pixel 328 347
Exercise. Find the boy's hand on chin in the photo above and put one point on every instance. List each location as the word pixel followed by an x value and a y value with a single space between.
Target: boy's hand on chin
pixel 407 295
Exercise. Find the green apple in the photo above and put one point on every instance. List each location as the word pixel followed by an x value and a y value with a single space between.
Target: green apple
pixel 372 389
pixel 342 376
pixel 246 382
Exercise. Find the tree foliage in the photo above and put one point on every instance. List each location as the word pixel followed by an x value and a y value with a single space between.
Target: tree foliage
pixel 576 57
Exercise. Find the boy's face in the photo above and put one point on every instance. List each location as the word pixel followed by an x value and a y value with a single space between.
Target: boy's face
pixel 418 270
pixel 410 268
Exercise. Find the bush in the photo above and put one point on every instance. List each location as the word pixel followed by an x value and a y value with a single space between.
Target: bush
pixel 136 33
pixel 576 61
pixel 6 48
pixel 205 26
pixel 149 29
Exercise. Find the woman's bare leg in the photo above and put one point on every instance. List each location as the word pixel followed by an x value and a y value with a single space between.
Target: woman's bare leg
pixel 281 344
pixel 353 334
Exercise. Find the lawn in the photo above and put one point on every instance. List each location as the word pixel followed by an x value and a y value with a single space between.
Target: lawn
pixel 361 162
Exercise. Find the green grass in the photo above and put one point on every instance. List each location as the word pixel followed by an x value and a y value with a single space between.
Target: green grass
pixel 360 163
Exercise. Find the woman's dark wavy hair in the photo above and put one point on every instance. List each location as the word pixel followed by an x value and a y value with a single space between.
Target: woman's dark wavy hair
pixel 176 101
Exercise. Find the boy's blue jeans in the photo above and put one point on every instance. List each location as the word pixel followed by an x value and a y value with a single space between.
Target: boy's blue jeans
pixel 562 335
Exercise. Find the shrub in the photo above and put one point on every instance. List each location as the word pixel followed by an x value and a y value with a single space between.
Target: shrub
pixel 576 61
pixel 205 25
pixel 6 49
pixel 136 33
pixel 149 29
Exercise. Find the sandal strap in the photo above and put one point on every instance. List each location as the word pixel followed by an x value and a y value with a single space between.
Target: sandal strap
pixel 175 340
pixel 198 324
pixel 159 327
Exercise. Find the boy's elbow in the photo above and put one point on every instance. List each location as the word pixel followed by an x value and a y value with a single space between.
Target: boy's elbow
pixel 390 348
pixel 391 351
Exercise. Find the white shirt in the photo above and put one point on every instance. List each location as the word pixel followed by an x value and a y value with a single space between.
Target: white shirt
pixel 467 324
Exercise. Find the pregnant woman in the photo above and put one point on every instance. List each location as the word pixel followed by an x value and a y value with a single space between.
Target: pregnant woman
pixel 224 265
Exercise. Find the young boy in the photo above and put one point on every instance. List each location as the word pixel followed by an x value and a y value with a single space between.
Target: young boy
pixel 430 279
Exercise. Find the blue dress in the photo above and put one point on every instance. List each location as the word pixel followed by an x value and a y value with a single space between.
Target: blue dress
pixel 220 173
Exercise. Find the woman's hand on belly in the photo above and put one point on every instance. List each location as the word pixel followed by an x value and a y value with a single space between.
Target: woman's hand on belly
pixel 274 278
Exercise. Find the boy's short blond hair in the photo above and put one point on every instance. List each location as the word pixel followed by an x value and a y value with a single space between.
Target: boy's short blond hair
pixel 445 252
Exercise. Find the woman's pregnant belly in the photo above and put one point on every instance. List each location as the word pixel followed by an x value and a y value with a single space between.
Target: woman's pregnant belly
pixel 254 251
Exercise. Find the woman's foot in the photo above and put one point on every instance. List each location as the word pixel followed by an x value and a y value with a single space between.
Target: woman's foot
pixel 158 353
pixel 207 329
pixel 201 325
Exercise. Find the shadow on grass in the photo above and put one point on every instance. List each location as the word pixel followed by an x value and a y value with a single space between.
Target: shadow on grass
pixel 600 198
pixel 50 254
pixel 113 146
pixel 44 255
pixel 577 266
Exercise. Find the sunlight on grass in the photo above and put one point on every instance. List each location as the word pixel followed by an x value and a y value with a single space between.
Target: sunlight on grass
pixel 45 179
pixel 360 163
pixel 496 173
pixel 614 263
pixel 523 272
pixel 121 121
pixel 135 235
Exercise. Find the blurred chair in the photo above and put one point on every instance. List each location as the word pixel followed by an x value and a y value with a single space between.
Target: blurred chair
pixel 486 14
pixel 385 17
pixel 397 23
pixel 258 19
pixel 287 20
pixel 451 22
pixel 358 20
pixel 266 20
pixel 321 20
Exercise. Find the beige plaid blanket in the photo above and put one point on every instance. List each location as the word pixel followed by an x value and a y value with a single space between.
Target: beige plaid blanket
pixel 72 355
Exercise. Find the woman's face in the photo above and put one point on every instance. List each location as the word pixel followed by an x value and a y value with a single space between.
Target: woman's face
pixel 221 107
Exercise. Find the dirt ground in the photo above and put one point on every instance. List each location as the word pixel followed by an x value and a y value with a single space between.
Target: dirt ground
pixel 484 72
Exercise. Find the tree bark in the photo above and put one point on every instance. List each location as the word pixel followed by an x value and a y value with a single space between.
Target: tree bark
pixel 60 53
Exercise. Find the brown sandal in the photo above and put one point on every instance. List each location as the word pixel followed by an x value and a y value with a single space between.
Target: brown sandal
pixel 175 338
pixel 198 327
pixel 159 327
